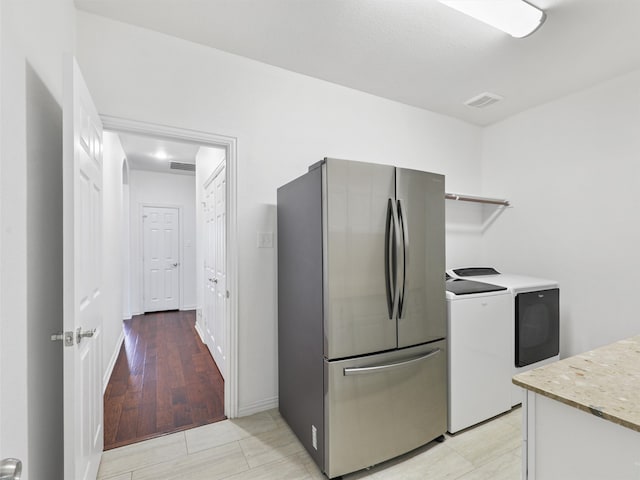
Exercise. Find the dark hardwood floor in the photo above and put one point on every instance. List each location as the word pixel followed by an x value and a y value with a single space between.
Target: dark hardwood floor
pixel 164 381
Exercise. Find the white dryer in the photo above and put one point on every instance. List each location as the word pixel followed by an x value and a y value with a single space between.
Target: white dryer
pixel 479 318
pixel 535 326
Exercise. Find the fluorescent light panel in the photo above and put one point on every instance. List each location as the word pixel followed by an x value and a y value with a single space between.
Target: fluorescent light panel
pixel 515 17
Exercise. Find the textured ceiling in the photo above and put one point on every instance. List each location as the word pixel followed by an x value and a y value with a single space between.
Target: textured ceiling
pixel 417 52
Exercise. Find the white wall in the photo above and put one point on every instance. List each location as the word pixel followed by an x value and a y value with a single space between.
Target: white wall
pixel 207 160
pixel 283 122
pixel 163 189
pixel 112 265
pixel 572 170
pixel 465 224
pixel 1 322
pixel 2 359
pixel 44 274
pixel 35 33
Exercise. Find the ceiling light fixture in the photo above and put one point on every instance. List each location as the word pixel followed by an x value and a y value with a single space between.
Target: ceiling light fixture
pixel 515 17
pixel 161 155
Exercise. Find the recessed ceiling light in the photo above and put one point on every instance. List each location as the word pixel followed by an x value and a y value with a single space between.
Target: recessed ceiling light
pixel 515 17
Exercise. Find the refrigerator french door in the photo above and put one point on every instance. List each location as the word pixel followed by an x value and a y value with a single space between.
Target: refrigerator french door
pixel 362 312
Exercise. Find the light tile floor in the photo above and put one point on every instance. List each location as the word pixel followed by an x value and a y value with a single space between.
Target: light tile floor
pixel 263 447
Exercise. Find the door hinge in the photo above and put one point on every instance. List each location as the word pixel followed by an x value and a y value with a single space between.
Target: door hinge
pixel 227 293
pixel 66 337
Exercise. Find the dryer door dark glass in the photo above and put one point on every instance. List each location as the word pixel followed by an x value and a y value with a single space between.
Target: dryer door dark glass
pixel 537 326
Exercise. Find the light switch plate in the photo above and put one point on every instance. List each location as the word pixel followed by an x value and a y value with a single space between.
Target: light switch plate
pixel 265 239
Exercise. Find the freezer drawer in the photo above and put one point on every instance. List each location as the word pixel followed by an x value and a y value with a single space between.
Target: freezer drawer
pixel 381 406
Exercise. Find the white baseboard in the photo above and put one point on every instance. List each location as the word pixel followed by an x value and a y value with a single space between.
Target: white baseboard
pixel 256 407
pixel 112 362
pixel 200 333
pixel 188 307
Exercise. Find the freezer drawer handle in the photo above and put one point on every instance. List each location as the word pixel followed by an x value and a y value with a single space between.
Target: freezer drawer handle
pixel 389 366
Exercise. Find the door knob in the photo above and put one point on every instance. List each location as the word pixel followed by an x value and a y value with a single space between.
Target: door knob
pixel 86 334
pixel 215 280
pixel 175 265
pixel 10 469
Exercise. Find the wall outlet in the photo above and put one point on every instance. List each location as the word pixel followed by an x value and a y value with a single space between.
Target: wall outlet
pixel 265 239
pixel 314 436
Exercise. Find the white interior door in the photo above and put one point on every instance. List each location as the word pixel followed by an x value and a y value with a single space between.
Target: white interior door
pixel 209 265
pixel 82 255
pixel 215 273
pixel 161 259
pixel 220 353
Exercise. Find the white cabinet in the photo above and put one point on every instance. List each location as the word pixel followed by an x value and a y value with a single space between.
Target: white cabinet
pixel 563 442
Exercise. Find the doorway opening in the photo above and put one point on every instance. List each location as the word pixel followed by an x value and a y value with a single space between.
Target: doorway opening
pixel 178 275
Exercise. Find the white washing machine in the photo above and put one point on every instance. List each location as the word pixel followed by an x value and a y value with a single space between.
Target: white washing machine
pixel 535 313
pixel 479 317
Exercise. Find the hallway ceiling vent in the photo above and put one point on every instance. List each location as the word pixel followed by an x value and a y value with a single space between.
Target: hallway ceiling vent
pixel 483 100
pixel 187 167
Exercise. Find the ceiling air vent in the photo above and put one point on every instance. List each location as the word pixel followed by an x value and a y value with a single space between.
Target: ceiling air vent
pixel 187 167
pixel 483 100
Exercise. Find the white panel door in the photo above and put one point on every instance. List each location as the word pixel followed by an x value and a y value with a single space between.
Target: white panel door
pixel 209 266
pixel 215 274
pixel 82 255
pixel 220 324
pixel 161 258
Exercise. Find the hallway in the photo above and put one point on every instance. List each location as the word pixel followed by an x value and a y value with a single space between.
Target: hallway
pixel 164 381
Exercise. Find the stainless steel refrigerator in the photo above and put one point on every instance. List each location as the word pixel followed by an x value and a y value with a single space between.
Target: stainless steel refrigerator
pixel 362 312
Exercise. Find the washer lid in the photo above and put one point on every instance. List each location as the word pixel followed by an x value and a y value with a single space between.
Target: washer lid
pixel 467 287
pixel 474 271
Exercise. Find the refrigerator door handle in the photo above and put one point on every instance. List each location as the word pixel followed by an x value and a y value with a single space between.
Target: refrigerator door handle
pixel 389 366
pixel 391 259
pixel 405 257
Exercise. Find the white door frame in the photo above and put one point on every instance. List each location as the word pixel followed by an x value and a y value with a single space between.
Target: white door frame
pixel 141 207
pixel 230 145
